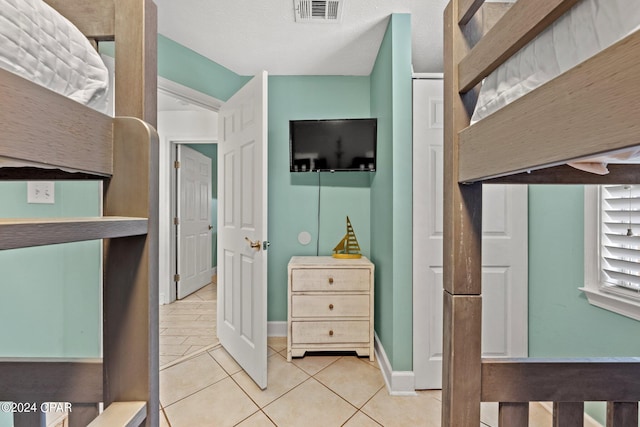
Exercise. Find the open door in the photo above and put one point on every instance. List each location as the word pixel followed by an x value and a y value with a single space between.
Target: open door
pixel 242 228
pixel 194 221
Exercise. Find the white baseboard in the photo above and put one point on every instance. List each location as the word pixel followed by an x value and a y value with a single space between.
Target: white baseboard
pixel 277 329
pixel 399 383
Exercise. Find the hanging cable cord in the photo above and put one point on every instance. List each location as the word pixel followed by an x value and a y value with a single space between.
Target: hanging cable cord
pixel 318 235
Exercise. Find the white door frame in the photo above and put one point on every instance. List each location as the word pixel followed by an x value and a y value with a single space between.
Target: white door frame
pixel 165 170
pixel 174 142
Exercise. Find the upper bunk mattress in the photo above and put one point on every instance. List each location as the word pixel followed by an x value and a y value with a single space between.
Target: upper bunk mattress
pixel 39 44
pixel 586 29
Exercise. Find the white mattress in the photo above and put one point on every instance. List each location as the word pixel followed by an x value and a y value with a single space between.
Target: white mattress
pixel 586 29
pixel 39 44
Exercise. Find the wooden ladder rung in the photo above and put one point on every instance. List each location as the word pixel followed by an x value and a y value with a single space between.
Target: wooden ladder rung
pixel 122 414
pixel 28 232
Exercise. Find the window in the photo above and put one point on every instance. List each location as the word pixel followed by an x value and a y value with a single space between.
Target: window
pixel 612 248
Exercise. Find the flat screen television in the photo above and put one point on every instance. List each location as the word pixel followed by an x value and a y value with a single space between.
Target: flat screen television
pixel 333 145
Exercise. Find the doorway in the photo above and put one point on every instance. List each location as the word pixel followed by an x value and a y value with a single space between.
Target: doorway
pixel 185 117
pixel 194 201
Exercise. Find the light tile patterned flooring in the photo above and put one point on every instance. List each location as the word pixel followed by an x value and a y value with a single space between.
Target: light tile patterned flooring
pixel 188 325
pixel 201 385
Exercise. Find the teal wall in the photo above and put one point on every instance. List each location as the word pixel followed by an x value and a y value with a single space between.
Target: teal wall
pixel 391 194
pixel 51 296
pixel 182 65
pixel 378 205
pixel 293 197
pixel 562 323
pixel 211 151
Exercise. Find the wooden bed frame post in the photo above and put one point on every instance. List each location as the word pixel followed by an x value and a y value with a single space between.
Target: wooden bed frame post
pixel 131 342
pixel 462 253
pixel 136 55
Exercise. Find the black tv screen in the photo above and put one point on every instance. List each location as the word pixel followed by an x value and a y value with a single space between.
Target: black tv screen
pixel 333 145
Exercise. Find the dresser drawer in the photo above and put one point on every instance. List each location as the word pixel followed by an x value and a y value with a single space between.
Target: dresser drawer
pixel 335 279
pixel 331 305
pixel 328 332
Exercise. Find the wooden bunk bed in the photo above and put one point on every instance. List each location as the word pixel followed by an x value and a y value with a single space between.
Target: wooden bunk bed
pixel 49 136
pixel 589 110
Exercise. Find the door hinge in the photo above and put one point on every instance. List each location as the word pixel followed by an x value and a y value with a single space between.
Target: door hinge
pixel 176 221
pixel 176 164
pixel 176 278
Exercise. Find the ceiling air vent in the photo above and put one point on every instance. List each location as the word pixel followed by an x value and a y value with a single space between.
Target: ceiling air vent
pixel 318 10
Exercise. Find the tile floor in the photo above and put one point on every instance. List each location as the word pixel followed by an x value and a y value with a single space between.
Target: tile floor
pixel 201 385
pixel 188 326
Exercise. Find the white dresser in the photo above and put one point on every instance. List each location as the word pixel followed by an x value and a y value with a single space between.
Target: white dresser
pixel 330 305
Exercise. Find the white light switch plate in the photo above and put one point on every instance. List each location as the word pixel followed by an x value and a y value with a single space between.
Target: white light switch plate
pixel 41 192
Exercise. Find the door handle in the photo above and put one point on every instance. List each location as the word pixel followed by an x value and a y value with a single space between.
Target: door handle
pixel 211 227
pixel 254 245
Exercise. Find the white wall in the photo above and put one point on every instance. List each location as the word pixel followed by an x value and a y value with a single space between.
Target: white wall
pixel 176 126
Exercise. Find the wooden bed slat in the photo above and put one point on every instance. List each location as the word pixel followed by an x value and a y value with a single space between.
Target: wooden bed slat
pixel 561 120
pixel 95 18
pixel 39 125
pixel 519 25
pixel 549 380
pixel 50 380
pixel 28 232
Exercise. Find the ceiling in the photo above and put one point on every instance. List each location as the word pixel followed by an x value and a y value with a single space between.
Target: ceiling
pixel 247 36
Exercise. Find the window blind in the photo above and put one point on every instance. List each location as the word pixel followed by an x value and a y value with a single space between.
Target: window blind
pixel 620 236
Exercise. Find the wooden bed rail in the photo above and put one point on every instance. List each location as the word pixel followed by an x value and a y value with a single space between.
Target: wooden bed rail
pixel 77 136
pixel 519 25
pixel 561 380
pixel 490 149
pixel 568 383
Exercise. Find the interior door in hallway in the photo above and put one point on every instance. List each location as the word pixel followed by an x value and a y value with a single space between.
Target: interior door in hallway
pixel 242 228
pixel 193 221
pixel 504 251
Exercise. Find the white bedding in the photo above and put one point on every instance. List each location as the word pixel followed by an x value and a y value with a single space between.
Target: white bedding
pixel 39 44
pixel 589 27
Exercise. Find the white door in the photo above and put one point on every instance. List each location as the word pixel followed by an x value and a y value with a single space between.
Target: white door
pixel 504 251
pixel 194 221
pixel 242 228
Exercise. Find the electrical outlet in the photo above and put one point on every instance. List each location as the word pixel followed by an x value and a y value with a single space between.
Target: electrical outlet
pixel 41 192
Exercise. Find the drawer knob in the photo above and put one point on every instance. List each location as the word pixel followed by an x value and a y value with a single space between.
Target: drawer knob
pixel 330 306
pixel 331 333
pixel 331 280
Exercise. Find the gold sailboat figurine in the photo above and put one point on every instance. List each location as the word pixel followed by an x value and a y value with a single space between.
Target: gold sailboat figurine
pixel 348 248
